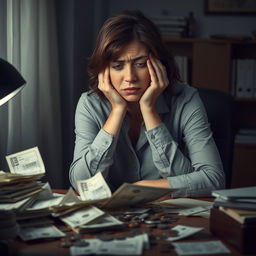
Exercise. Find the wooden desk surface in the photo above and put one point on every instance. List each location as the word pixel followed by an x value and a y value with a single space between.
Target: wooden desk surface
pixel 53 248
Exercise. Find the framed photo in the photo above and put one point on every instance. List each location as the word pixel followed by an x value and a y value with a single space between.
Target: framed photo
pixel 241 7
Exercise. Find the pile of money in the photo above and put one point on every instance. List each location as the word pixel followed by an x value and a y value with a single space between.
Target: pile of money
pixel 19 188
pixel 16 187
pixel 26 168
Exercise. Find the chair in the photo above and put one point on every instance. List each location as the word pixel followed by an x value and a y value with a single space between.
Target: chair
pixel 219 107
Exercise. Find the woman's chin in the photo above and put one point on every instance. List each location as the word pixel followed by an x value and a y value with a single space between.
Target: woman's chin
pixel 132 98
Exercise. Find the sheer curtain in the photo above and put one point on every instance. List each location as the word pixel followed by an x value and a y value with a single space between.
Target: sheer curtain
pixel 33 118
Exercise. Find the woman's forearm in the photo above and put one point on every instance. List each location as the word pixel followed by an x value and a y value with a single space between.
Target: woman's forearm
pixel 151 118
pixel 114 121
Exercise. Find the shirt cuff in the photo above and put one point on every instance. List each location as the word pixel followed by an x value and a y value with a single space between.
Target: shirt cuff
pixel 180 183
pixel 103 140
pixel 159 136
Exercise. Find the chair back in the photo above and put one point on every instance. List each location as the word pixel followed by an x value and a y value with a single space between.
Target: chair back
pixel 219 107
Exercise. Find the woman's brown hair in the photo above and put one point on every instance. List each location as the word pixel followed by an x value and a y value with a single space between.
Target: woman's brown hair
pixel 120 30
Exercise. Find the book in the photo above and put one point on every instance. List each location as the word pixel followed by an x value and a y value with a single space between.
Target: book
pixel 236 193
pixel 237 204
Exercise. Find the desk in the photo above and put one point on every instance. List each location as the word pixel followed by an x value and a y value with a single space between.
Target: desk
pixel 53 248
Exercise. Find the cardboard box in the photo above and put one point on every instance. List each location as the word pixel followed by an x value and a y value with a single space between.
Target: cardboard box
pixel 240 236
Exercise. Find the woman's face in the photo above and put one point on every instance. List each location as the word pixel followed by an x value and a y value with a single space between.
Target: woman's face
pixel 129 72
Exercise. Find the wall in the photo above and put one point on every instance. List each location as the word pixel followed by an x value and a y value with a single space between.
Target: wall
pixel 207 24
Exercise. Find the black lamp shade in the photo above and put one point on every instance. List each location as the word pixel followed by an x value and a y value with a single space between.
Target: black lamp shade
pixel 11 81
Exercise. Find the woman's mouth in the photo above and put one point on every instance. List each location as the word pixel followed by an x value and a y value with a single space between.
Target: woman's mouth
pixel 132 90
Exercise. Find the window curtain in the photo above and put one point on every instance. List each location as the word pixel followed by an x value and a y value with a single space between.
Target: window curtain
pixel 33 118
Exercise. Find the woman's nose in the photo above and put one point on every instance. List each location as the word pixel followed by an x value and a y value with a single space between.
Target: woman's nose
pixel 130 74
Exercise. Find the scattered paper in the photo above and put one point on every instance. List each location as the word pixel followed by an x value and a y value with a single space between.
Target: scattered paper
pixel 200 248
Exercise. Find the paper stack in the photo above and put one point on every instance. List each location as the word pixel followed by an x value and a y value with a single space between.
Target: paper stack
pixel 171 26
pixel 19 188
pixel 233 217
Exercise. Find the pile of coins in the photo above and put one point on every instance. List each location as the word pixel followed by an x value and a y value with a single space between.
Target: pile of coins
pixel 155 222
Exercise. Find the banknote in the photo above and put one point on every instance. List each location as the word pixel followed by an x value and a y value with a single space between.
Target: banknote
pixel 33 233
pixel 130 194
pixel 28 162
pixel 183 232
pixel 82 216
pixel 200 248
pixel 128 246
pixel 94 188
pixel 194 210
pixel 105 222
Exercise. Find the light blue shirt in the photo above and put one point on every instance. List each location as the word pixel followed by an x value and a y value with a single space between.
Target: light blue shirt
pixel 181 149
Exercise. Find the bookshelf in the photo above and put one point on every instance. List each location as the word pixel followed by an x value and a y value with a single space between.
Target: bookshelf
pixel 210 65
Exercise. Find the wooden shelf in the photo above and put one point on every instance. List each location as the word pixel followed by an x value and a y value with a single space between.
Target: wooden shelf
pixel 211 67
pixel 245 99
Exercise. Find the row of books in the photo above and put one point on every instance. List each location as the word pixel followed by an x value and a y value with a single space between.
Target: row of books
pixel 233 217
pixel 175 26
pixel 246 136
pixel 244 78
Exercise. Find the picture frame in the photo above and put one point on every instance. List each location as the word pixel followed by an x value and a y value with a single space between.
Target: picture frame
pixel 230 7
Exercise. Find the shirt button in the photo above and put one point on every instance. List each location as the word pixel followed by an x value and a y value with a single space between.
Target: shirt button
pixel 152 136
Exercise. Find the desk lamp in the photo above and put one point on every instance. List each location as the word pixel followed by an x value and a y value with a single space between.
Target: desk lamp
pixel 11 83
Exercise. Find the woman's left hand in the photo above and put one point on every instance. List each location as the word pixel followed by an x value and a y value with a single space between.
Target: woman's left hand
pixel 159 81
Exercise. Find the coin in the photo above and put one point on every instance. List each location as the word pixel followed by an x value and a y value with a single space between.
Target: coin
pixel 65 243
pixel 81 243
pixel 163 226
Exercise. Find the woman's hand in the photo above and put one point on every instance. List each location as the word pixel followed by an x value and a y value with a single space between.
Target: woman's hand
pixel 159 81
pixel 110 92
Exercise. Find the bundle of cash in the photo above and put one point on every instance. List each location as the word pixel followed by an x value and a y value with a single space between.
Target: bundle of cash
pixel 103 223
pixel 33 233
pixel 82 216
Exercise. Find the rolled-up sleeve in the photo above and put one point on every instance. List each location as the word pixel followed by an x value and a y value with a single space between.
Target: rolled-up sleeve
pixel 94 147
pixel 197 168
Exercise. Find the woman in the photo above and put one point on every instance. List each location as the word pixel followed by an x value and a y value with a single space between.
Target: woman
pixel 139 123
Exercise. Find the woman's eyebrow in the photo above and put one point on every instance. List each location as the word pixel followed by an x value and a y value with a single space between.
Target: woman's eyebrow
pixel 132 59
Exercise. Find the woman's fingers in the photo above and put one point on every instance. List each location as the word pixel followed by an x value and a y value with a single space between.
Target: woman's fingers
pixel 104 81
pixel 152 72
pixel 100 80
pixel 159 72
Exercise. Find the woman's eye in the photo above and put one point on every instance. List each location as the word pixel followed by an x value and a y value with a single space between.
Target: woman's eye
pixel 117 66
pixel 140 64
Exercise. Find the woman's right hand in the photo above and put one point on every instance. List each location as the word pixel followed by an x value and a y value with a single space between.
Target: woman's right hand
pixel 115 99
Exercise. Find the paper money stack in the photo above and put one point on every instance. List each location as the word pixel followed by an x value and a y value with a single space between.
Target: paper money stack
pixel 19 187
pixel 16 187
pixel 22 183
